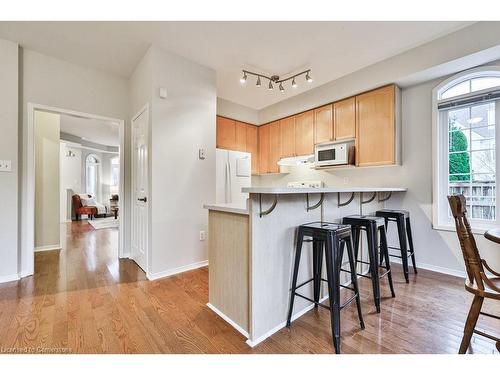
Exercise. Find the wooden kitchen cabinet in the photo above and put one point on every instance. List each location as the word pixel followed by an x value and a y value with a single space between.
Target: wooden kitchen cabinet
pixel 376 127
pixel 274 146
pixel 252 146
pixel 226 133
pixel 304 133
pixel 240 143
pixel 323 124
pixel 287 130
pixel 264 148
pixel 344 114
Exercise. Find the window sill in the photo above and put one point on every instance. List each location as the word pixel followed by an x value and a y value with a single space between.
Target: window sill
pixel 475 229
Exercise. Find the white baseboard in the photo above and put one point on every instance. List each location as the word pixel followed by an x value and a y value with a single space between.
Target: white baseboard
pixel 431 267
pixel 48 248
pixel 173 271
pixel 227 319
pixel 271 332
pixel 9 278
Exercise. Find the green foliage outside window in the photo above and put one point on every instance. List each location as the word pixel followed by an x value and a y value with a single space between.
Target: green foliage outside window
pixel 459 162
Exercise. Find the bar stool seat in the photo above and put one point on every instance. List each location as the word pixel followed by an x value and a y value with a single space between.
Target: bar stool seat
pixel 330 238
pixel 402 220
pixel 374 227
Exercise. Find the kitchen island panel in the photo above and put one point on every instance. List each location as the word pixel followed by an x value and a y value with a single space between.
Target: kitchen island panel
pixel 228 257
pixel 272 254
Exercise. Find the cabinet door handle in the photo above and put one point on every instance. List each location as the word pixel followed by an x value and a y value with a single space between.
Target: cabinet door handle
pixel 143 199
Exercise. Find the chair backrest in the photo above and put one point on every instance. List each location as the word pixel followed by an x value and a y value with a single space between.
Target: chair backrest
pixel 77 202
pixel 470 252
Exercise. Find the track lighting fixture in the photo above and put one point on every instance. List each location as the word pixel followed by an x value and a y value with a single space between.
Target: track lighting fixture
pixel 244 78
pixel 276 79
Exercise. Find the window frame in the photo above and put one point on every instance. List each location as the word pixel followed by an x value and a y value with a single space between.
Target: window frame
pixel 440 164
pixel 97 165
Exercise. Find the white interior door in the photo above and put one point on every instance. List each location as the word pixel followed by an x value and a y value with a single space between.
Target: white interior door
pixel 140 204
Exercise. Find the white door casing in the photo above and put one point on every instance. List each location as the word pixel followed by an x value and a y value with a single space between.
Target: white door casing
pixel 140 204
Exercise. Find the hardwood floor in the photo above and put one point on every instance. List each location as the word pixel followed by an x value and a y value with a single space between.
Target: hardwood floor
pixel 85 300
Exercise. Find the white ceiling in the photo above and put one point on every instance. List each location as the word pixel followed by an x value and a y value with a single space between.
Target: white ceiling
pixel 102 132
pixel 330 49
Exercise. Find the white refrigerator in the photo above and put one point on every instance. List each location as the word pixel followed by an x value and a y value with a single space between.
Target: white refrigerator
pixel 233 172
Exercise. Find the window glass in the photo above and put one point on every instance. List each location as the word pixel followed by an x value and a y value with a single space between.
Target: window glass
pixel 472 158
pixel 483 83
pixel 458 89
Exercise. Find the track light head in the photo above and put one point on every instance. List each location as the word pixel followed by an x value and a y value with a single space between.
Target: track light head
pixel 270 87
pixel 282 89
pixel 308 78
pixel 244 78
pixel 294 84
pixel 258 84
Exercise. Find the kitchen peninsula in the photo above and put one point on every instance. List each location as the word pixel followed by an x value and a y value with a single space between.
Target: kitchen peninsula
pixel 251 250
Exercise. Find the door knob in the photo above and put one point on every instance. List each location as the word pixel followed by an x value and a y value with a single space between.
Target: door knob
pixel 143 199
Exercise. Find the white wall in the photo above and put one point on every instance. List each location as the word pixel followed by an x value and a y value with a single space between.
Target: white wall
pixel 53 82
pixel 9 151
pixel 70 177
pixel 47 197
pixel 180 182
pixel 237 111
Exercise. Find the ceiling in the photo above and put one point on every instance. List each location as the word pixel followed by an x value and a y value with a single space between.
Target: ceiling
pixel 96 131
pixel 330 49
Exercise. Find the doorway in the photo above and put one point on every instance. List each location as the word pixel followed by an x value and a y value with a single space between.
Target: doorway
pixel 87 164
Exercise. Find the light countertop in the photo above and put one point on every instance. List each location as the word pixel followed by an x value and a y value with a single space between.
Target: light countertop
pixel 237 208
pixel 286 190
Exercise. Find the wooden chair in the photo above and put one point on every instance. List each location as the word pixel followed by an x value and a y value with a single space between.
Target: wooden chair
pixel 477 282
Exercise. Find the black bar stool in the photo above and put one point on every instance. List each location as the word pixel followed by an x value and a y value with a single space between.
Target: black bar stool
pixel 334 236
pixel 402 220
pixel 372 226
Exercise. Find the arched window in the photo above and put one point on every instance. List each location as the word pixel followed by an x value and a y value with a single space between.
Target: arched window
pixel 466 112
pixel 92 174
pixel 115 174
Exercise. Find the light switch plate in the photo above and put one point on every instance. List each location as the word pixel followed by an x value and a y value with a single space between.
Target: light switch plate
pixel 201 154
pixel 163 93
pixel 5 165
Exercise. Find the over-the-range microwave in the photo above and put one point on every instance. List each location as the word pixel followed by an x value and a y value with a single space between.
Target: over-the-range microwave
pixel 334 153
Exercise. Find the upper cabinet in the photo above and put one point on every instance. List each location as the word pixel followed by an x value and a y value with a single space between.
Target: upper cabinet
pixel 264 149
pixel 376 127
pixel 274 146
pixel 226 133
pixel 287 129
pixel 238 136
pixel 304 133
pixel 369 118
pixel 253 146
pixel 240 143
pixel 323 124
pixel 344 113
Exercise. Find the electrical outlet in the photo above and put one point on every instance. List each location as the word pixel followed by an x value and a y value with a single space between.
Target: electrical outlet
pixel 201 154
pixel 346 180
pixel 203 235
pixel 5 165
